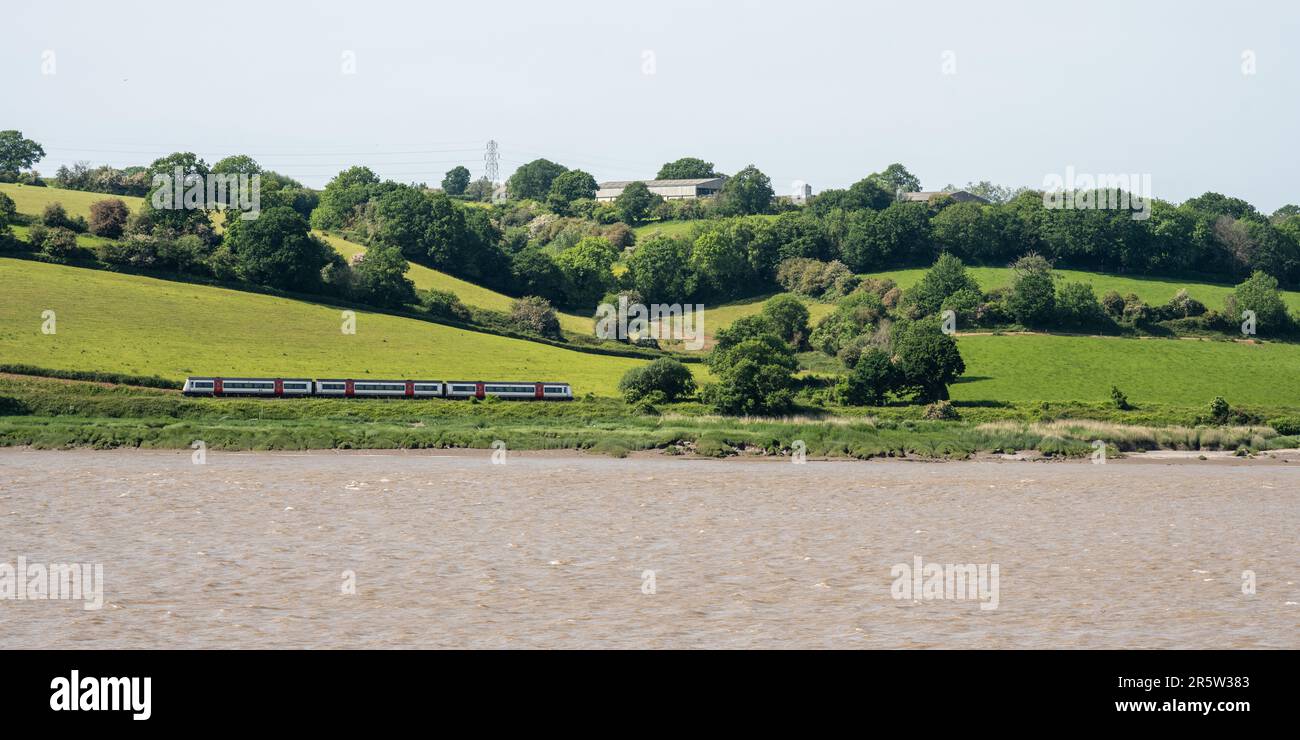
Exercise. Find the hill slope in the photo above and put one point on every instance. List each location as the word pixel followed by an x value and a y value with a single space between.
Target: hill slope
pixel 125 323
pixel 32 200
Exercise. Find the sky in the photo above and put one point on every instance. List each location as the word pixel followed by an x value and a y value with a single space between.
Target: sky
pixel 1200 96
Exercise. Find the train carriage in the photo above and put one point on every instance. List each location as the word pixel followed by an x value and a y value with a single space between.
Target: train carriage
pixel 256 387
pixel 516 390
pixel 368 388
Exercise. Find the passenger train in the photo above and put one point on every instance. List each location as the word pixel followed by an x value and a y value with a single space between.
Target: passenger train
pixel 367 388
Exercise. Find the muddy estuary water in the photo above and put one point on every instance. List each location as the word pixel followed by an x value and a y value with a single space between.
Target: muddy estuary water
pixel 419 549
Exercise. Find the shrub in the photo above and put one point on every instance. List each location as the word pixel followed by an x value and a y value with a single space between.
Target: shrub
pixel 56 217
pixel 755 375
pixel 946 277
pixel 941 411
pixel 1118 398
pixel 1113 304
pixel 665 379
pixel 1183 306
pixel 927 359
pixel 108 217
pixel 535 314
pixel 1219 409
pixel 59 244
pixel 1286 425
pixel 814 278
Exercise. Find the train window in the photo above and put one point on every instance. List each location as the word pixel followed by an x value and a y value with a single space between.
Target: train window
pixel 463 388
pixel 332 386
pixel 380 386
pixel 554 389
pixel 202 384
pixel 425 387
pixel 236 385
pixel 509 389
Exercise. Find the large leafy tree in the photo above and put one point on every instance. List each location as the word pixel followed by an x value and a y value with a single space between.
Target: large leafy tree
pixel 586 269
pixel 456 180
pixel 895 178
pixel 381 279
pixel 18 153
pixel 946 277
pixel 343 196
pixel 755 370
pixel 161 208
pixel 568 187
pixel 402 218
pixel 660 271
pixel 635 202
pixel 748 191
pixel 686 168
pixel 1033 291
pixel 533 180
pixel 926 359
pixel 278 249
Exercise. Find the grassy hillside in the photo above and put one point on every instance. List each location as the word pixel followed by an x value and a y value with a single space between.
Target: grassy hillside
pixel 142 326
pixel 1152 290
pixel 32 200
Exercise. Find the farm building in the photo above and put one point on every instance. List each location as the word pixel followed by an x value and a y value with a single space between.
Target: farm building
pixel 701 187
pixel 961 196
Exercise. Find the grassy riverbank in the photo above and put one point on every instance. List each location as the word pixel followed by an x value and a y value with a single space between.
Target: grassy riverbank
pixel 47 413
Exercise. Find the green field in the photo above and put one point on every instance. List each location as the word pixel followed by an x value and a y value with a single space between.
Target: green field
pixel 130 324
pixel 1152 290
pixel 32 200
pixel 1188 372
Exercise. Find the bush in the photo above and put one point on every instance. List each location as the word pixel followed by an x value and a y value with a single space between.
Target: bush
pixel 927 360
pixel 1113 304
pixel 535 314
pixel 56 217
pixel 108 217
pixel 941 411
pixel 1183 306
pixel 946 277
pixel 1259 293
pixel 665 379
pixel 1287 426
pixel 1118 398
pixel 59 244
pixel 814 278
pixel 1220 410
pixel 755 375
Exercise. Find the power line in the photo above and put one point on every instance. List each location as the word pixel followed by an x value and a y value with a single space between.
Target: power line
pixel 491 161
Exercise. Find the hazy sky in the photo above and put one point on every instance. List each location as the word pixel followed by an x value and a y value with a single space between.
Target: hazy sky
pixel 821 92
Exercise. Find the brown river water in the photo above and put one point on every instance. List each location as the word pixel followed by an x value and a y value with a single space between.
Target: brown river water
pixel 420 549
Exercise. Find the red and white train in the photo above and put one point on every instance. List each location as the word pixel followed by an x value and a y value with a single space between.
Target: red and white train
pixel 368 388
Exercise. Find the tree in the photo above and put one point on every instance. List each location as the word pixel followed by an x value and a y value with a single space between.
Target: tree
pixel 720 262
pixel 535 314
pixel 1259 293
pixel 568 187
pixel 534 273
pixel 755 376
pixel 480 190
pixel 456 180
pixel 946 277
pixel 1033 293
pixel 533 180
pixel 660 271
pixel 636 202
pixel 1077 305
pixel 870 380
pixel 160 209
pixel 748 191
pixel 963 228
pixel 686 168
pixel 788 317
pixel 380 279
pixel 238 164
pixel 666 378
pixel 927 360
pixel 343 196
pixel 7 214
pixel 108 217
pixel 278 249
pixel 403 218
pixel 895 178
pixel 17 153
pixel 586 269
